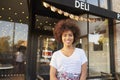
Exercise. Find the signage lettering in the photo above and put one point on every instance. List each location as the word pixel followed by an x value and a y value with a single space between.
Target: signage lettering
pixel 81 5
pixel 118 16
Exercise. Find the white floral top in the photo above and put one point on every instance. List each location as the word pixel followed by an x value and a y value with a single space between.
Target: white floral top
pixel 68 68
pixel 68 76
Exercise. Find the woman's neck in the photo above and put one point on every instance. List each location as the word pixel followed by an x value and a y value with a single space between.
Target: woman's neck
pixel 68 50
pixel 68 47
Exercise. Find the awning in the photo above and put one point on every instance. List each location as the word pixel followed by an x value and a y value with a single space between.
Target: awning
pixel 77 6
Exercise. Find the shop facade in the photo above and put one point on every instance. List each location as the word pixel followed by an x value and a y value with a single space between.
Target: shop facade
pixel 99 35
pixel 97 32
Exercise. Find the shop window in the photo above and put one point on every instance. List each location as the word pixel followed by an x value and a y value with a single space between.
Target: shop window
pixel 93 2
pixel 100 3
pixel 13 36
pixel 117 46
pixel 99 60
pixel 103 3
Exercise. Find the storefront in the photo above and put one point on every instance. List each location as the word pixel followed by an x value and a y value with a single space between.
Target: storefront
pixel 97 35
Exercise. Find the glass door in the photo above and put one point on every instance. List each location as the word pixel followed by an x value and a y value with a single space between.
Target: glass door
pixel 94 40
pixel 46 46
pixel 99 56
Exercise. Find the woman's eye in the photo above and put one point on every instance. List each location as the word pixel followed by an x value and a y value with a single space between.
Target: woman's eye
pixel 64 35
pixel 70 35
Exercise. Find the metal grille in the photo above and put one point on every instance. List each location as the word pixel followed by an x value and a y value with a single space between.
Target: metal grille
pixel 12 77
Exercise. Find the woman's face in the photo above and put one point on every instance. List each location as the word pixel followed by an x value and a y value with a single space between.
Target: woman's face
pixel 67 38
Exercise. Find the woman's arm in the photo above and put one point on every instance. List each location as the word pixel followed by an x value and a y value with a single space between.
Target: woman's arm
pixel 83 71
pixel 53 73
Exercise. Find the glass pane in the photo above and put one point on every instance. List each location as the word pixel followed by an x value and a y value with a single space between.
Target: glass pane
pixel 83 42
pixel 9 39
pixel 115 5
pixel 117 21
pixel 21 33
pixel 20 45
pixel 6 48
pixel 103 4
pixel 83 37
pixel 6 36
pixel 45 23
pixel 46 46
pixel 117 46
pixel 83 0
pixel 98 47
pixel 93 2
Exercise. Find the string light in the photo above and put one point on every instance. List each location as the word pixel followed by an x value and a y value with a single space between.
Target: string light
pixel 46 21
pixel 3 8
pixel 37 20
pixel 60 12
pixel 11 20
pixel 23 12
pixel 46 4
pixel 72 16
pixel 9 17
pixel 66 14
pixel 81 18
pixel 20 20
pixel 9 8
pixel 76 18
pixel 53 8
pixel 27 17
pixel 21 3
pixel 15 13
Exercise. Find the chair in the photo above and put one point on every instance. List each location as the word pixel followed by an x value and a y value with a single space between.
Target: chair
pixel 107 76
pixel 117 75
pixel 39 77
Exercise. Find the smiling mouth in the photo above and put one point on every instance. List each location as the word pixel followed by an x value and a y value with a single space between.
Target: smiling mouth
pixel 68 41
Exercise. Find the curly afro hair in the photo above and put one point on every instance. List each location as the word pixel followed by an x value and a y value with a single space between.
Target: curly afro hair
pixel 65 25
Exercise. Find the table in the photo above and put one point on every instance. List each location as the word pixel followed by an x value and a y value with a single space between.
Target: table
pixel 4 67
pixel 5 70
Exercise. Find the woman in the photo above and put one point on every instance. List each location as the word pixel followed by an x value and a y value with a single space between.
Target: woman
pixel 68 63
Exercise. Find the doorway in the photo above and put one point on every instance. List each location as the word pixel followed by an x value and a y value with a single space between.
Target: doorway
pixel 94 40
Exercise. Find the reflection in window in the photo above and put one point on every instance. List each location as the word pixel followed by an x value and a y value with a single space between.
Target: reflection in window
pixel 46 46
pixel 99 60
pixel 103 4
pixel 12 36
pixel 21 34
pixel 83 0
pixel 100 3
pixel 93 2
pixel 6 36
pixel 117 46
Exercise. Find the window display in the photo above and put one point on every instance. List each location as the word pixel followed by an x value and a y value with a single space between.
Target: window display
pixel 46 46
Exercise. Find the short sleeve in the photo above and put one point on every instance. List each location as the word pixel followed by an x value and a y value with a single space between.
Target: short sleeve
pixel 53 61
pixel 84 57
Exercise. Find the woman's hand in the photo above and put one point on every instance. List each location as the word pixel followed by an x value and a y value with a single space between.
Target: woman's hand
pixel 53 73
pixel 83 72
